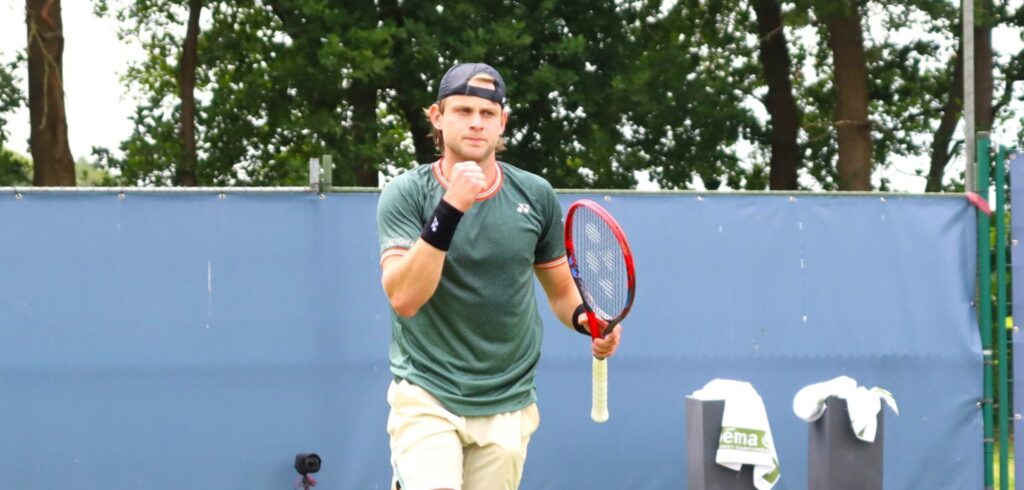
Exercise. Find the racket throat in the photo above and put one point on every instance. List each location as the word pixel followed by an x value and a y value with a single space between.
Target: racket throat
pixel 595 328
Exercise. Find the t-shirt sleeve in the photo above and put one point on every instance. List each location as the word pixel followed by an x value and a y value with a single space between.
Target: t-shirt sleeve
pixel 550 251
pixel 399 219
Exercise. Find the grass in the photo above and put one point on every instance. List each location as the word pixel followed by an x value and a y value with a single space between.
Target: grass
pixel 995 466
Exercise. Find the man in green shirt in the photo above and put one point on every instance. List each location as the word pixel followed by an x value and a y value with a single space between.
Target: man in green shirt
pixel 461 240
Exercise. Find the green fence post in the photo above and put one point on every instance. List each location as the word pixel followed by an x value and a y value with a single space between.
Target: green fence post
pixel 985 302
pixel 1005 417
pixel 327 180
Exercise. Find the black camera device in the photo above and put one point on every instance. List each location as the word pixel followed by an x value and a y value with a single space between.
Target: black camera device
pixel 306 463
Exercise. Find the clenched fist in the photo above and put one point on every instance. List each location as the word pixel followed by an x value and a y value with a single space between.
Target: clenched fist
pixel 465 182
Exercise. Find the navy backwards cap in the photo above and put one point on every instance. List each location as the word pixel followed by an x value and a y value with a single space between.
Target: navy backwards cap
pixel 456 82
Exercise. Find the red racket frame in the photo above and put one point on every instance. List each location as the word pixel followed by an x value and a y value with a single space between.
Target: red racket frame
pixel 570 251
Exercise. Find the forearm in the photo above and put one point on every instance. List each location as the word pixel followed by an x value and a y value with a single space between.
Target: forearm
pixel 563 297
pixel 565 303
pixel 410 280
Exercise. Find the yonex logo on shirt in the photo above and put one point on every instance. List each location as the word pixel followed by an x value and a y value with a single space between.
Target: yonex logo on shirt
pixel 523 208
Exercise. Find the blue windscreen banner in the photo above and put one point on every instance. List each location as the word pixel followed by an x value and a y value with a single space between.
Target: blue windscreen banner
pixel 201 340
pixel 1016 171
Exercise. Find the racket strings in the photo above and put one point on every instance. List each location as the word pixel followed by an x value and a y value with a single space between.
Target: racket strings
pixel 602 265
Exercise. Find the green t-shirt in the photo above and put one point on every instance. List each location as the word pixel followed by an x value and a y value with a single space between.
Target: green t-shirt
pixel 475 344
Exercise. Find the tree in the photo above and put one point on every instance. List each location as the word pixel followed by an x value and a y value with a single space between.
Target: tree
pixel 845 38
pixel 951 111
pixel 89 175
pixel 910 80
pixel 333 40
pixel 11 98
pixel 15 169
pixel 186 171
pixel 785 117
pixel 53 165
pixel 944 142
pixel 901 84
pixel 597 91
pixel 164 148
pixel 983 65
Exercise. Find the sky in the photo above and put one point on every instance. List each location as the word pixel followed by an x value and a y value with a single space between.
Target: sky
pixel 98 107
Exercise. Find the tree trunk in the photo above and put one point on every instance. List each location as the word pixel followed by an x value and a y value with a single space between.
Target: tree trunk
pixel 846 40
pixel 983 82
pixel 785 118
pixel 364 139
pixel 422 131
pixel 48 139
pixel 984 88
pixel 951 111
pixel 185 174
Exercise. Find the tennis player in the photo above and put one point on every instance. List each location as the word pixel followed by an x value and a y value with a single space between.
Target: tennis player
pixel 461 240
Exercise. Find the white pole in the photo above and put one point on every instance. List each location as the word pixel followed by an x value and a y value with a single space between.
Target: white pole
pixel 314 174
pixel 969 136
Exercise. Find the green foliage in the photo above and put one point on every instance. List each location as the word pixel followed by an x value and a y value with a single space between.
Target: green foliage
pixel 88 174
pixel 909 82
pixel 15 168
pixel 11 97
pixel 597 90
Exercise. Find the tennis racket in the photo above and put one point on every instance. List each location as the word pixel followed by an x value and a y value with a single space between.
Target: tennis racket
pixel 602 267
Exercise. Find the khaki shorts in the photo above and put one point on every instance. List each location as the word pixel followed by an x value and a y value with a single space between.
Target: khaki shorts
pixel 433 448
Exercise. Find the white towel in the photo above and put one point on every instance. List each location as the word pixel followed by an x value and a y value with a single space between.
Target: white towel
pixel 863 404
pixel 746 437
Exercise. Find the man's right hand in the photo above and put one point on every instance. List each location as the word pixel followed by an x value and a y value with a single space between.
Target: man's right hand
pixel 464 184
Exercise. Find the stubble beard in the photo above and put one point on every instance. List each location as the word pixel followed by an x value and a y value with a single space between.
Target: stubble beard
pixel 462 153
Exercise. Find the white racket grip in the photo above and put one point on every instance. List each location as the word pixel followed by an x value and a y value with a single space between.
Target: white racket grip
pixel 599 406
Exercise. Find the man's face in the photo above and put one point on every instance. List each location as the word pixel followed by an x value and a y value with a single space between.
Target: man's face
pixel 472 125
